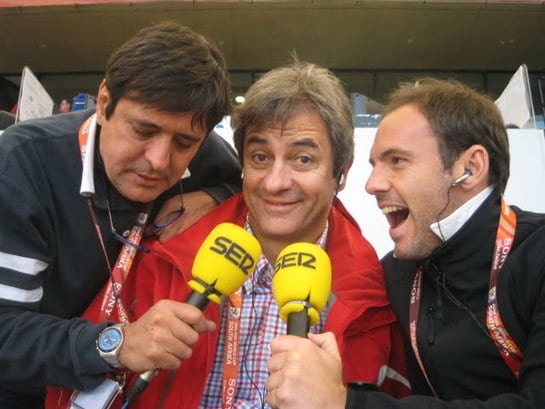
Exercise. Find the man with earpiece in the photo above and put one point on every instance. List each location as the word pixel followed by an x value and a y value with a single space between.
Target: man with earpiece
pixel 467 273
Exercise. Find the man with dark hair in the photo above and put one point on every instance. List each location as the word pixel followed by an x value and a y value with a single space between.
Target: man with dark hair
pixel 467 273
pixel 77 190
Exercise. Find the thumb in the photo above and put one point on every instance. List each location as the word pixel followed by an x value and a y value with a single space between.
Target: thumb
pixel 326 342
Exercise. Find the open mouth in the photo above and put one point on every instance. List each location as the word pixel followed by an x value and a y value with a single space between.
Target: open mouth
pixel 395 215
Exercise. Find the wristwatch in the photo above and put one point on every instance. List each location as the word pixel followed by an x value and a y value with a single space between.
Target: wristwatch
pixel 109 343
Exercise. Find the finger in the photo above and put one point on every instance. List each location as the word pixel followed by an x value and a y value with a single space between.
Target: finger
pixel 276 362
pixel 270 398
pixel 149 231
pixel 176 341
pixel 195 317
pixel 185 312
pixel 285 343
pixel 273 381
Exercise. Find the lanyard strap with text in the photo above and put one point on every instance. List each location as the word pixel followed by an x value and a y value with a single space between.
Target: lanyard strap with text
pixel 121 269
pixel 508 349
pixel 230 356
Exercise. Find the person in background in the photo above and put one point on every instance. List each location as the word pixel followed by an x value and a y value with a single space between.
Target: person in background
pixel 295 140
pixel 64 106
pixel 467 273
pixel 76 189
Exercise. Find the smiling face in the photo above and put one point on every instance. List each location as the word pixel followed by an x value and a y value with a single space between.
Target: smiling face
pixel 409 181
pixel 288 181
pixel 145 151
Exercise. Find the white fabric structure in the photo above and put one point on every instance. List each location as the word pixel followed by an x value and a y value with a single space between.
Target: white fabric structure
pixel 515 102
pixel 34 101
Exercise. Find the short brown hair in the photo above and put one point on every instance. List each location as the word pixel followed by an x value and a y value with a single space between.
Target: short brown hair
pixel 459 117
pixel 277 95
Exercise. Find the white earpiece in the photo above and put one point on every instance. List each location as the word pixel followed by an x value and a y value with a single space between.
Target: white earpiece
pixel 467 173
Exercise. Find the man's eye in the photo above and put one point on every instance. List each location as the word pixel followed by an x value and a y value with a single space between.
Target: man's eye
pixel 181 144
pixel 303 159
pixel 141 133
pixel 396 160
pixel 259 157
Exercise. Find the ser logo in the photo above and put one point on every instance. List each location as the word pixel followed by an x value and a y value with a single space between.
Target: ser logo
pixel 294 259
pixel 234 253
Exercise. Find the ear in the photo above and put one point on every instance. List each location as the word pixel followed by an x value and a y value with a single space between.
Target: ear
pixel 103 99
pixel 341 182
pixel 476 159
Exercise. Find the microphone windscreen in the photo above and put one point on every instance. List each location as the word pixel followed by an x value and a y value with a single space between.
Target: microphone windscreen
pixel 224 261
pixel 302 278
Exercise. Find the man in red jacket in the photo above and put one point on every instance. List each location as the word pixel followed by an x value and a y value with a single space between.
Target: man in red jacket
pixel 294 136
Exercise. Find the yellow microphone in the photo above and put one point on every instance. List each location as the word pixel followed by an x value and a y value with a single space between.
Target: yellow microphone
pixel 301 285
pixel 224 261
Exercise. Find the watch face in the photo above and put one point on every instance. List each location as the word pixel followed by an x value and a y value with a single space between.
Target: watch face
pixel 109 340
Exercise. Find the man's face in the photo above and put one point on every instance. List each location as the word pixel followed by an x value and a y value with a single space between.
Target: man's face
pixel 288 179
pixel 145 151
pixel 64 106
pixel 409 181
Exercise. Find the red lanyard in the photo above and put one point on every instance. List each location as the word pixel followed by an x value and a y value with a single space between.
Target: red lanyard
pixel 508 349
pixel 230 356
pixel 122 267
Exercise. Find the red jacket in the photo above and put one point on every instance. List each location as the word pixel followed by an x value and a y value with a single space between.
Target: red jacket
pixel 360 317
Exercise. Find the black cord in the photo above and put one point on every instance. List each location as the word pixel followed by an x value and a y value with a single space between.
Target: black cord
pixel 254 325
pixel 437 218
pixel 465 308
pixel 448 293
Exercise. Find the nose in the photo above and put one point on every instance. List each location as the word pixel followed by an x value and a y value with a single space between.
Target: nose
pixel 278 177
pixel 158 152
pixel 376 182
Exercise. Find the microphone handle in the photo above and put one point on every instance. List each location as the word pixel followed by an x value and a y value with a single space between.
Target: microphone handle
pixel 198 300
pixel 140 384
pixel 298 323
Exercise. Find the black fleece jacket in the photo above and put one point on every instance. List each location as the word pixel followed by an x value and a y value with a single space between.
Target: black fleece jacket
pixel 461 360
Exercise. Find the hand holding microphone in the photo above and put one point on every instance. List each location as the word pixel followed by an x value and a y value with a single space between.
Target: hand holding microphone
pixel 224 261
pixel 301 285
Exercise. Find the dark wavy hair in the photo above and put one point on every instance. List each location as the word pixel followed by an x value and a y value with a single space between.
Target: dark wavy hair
pixel 173 69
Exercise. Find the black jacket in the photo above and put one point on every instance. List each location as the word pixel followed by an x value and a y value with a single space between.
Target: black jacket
pixel 462 362
pixel 51 263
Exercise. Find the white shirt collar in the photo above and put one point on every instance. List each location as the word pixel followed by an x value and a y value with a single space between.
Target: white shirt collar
pixel 445 229
pixel 87 188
